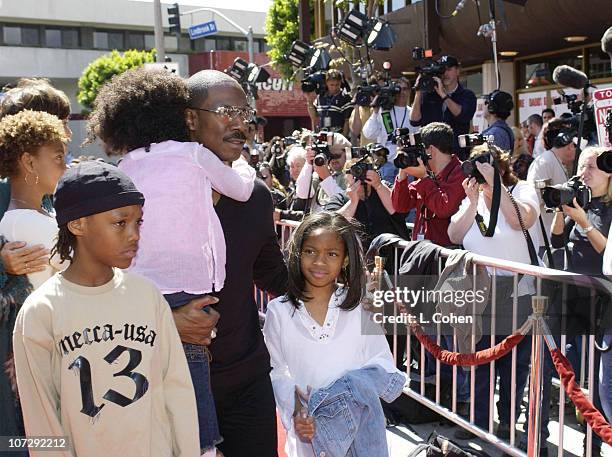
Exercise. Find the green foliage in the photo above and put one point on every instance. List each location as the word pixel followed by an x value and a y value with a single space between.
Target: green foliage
pixel 281 31
pixel 104 68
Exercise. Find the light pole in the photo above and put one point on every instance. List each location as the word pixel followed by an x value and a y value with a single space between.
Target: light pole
pixel 247 33
pixel 159 32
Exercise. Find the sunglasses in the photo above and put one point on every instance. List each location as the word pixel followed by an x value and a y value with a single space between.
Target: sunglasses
pixel 231 113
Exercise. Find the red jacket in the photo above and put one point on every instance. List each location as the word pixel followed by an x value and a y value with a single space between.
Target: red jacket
pixel 435 201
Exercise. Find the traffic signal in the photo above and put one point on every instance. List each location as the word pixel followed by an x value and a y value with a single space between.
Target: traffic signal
pixel 174 19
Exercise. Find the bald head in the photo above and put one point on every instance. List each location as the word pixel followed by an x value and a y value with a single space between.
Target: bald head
pixel 203 81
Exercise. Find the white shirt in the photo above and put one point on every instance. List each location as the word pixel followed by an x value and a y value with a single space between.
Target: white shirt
pixel 375 128
pixel 304 353
pixel 33 227
pixel 546 166
pixel 607 259
pixel 506 242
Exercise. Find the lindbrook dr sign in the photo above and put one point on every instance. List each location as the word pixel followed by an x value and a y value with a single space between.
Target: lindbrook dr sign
pixel 277 98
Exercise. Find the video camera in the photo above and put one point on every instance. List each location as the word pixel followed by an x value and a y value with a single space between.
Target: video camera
pixel 575 107
pixel 427 71
pixel 564 194
pixel 314 82
pixel 378 96
pixel 410 149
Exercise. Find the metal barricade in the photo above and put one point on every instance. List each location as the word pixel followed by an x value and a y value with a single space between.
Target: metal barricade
pixel 286 230
pixel 495 266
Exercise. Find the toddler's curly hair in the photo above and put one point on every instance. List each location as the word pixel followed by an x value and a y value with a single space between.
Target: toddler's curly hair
pixel 137 108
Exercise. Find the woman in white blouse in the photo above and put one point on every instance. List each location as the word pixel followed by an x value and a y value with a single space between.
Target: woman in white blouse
pixel 32 155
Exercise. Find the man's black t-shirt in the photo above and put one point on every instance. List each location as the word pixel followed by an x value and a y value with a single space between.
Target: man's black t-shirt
pixel 239 355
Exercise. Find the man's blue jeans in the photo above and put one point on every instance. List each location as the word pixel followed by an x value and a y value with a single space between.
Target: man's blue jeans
pixel 198 359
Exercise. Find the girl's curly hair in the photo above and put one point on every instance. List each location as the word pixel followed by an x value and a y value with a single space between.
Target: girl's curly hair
pixel 23 132
pixel 137 108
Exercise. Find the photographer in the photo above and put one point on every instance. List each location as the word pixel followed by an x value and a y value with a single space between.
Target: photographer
pixel 361 114
pixel 368 200
pixel 331 110
pixel 385 120
pixel 450 102
pixel 328 179
pixel 436 193
pixel 498 106
pixel 276 156
pixel 509 243
pixel 553 164
pixel 587 227
pixel 583 234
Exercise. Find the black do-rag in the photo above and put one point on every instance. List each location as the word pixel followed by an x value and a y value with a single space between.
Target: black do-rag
pixel 93 187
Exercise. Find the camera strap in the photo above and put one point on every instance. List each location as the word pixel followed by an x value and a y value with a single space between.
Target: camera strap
pixel 533 256
pixel 482 226
pixel 551 262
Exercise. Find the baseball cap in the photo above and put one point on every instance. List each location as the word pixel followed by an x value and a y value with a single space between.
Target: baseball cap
pixel 448 61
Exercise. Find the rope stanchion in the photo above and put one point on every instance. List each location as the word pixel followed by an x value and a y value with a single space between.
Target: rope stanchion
pixel 464 359
pixel 591 414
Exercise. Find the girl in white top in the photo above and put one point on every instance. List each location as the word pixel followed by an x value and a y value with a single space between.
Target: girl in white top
pixel 32 155
pixel 314 333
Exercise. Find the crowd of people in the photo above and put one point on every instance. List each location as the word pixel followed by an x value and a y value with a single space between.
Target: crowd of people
pixel 155 255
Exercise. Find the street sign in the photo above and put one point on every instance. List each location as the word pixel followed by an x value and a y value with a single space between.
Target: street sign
pixel 202 30
pixel 170 67
pixel 602 103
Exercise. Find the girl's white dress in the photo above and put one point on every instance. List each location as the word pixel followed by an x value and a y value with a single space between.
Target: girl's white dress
pixel 303 353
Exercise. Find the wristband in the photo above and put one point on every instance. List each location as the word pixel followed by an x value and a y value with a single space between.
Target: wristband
pixel 588 229
pixel 445 98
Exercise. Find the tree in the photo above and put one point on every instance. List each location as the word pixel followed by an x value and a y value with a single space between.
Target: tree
pixel 281 31
pixel 104 68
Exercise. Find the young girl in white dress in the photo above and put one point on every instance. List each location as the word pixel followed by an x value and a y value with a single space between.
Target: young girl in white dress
pixel 314 333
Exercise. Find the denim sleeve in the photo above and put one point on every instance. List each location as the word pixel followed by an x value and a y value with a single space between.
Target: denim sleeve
pixel 468 106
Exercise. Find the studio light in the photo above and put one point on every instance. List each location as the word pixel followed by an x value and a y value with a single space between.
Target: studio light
pixel 303 55
pixel 357 29
pixel 381 37
pixel 353 28
pixel 239 69
pixel 299 53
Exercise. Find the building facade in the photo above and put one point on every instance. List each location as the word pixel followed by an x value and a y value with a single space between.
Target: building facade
pixel 57 39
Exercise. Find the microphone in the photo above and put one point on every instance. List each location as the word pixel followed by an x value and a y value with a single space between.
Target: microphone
pixel 606 42
pixel 567 76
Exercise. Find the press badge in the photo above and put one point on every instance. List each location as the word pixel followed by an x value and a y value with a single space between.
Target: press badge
pixel 327 122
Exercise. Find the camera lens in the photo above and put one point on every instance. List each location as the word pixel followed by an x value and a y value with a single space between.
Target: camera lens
pixel 604 161
pixel 320 160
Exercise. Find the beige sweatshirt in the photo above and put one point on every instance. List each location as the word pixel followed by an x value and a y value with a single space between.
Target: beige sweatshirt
pixel 104 366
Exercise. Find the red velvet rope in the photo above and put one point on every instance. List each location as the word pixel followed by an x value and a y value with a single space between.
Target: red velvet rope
pixel 591 414
pixel 476 358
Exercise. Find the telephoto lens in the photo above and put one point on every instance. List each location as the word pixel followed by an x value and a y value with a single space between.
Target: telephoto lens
pixel 604 161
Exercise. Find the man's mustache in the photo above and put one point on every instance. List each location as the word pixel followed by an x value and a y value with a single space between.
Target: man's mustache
pixel 236 136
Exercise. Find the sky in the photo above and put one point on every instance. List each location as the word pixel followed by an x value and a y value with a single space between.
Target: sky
pixel 241 5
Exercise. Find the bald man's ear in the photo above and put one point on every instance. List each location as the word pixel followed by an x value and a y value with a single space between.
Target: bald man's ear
pixel 191 119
